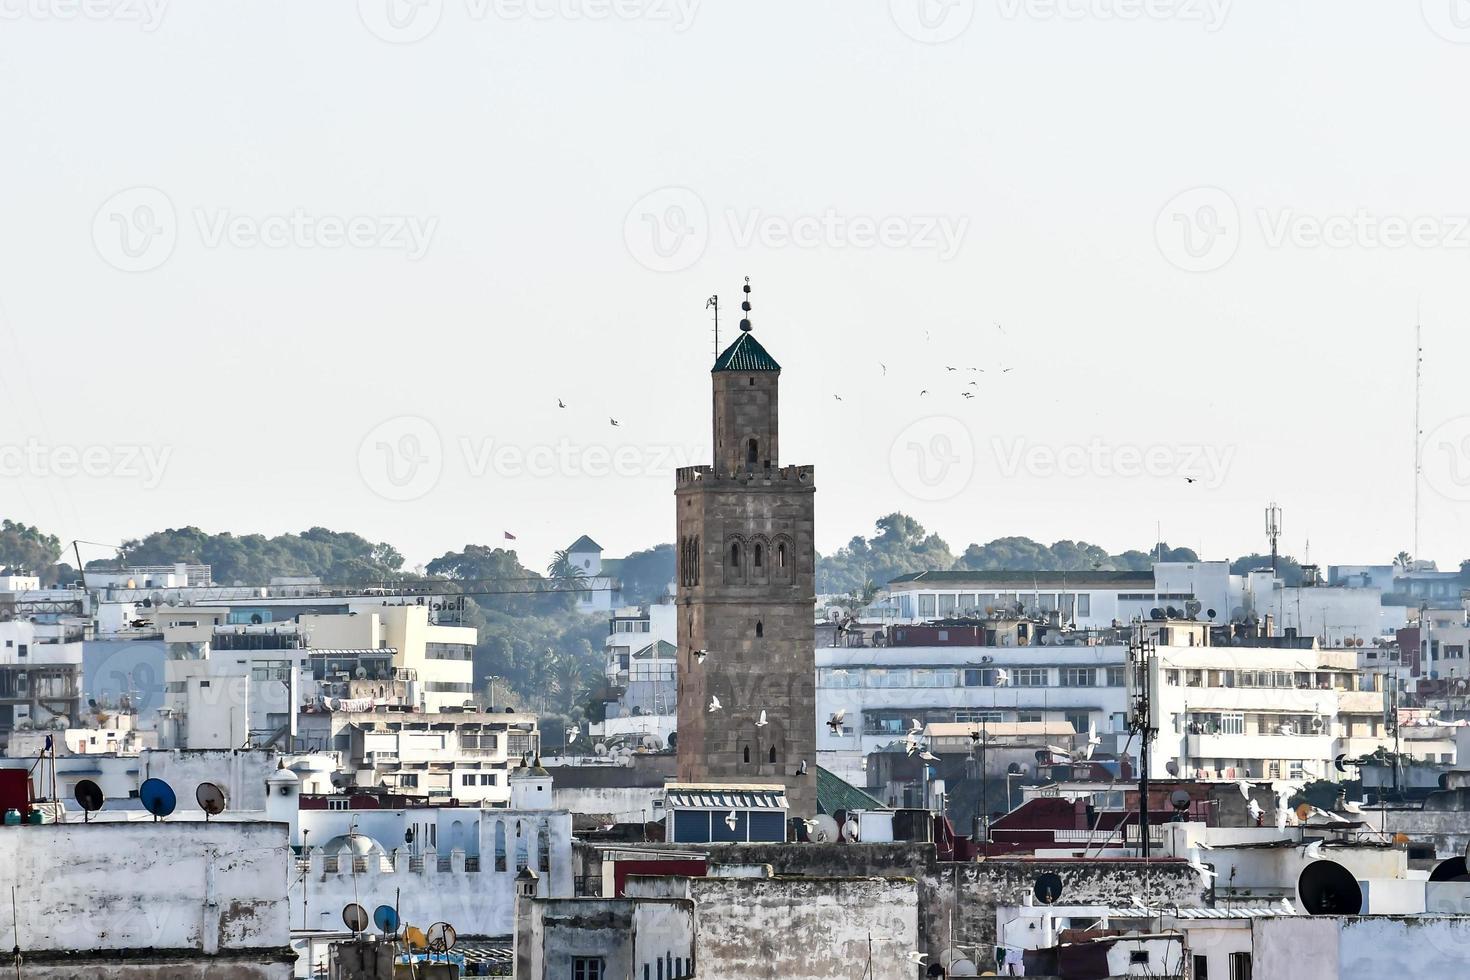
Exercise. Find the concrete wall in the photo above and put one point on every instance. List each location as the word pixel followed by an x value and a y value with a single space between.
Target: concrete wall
pixel 241 773
pixel 1291 948
pixel 622 804
pixel 159 965
pixel 175 885
pixel 800 928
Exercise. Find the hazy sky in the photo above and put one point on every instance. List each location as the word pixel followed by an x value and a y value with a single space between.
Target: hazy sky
pixel 269 265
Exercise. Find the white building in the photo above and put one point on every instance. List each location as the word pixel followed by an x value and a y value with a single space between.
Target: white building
pixel 642 670
pixel 601 589
pixel 40 675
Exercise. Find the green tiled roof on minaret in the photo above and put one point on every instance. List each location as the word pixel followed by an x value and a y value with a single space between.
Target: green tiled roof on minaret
pixel 746 354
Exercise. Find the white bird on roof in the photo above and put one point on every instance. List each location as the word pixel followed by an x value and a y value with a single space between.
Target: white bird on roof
pixel 1196 861
pixel 714 703
pixel 1314 851
pixel 1254 810
pixel 1287 907
pixel 761 721
pixel 918 958
pixel 730 820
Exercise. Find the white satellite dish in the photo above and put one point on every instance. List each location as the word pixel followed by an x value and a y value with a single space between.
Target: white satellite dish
pixel 850 831
pixel 653 743
pixel 599 749
pixel 824 829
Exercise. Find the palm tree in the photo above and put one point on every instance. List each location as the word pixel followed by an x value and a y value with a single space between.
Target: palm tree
pixel 565 574
pixel 1403 560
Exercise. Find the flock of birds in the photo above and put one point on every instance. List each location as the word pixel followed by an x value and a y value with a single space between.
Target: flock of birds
pixel 967 390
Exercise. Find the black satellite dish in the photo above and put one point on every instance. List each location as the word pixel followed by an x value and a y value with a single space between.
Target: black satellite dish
pixel 211 799
pixel 1014 769
pixel 355 917
pixel 1048 887
pixel 157 797
pixel 1210 613
pixel 1327 888
pixel 1156 613
pixel 1452 870
pixel 89 797
pixel 1179 799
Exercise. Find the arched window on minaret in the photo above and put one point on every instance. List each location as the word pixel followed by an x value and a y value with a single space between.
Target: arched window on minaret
pixel 752 452
pixel 747 754
pixel 760 628
pixel 759 555
pixel 735 554
pixel 773 754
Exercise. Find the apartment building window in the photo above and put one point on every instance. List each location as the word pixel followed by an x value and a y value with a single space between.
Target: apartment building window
pixel 1117 677
pixel 966 717
pixel 1298 769
pixel 1079 720
pixel 1084 604
pixel 409 779
pixel 1240 966
pixel 1025 716
pixel 1029 677
pixel 22 650
pixel 926 604
pixel 589 968
pixel 1171 678
pixel 339 804
pixel 947 604
pixel 979 677
pixel 1079 677
pixel 1201 967
pixel 1273 770
pixel 1232 723
pixel 1046 602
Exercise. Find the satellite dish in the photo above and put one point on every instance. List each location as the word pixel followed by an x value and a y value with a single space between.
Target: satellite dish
pixel 824 829
pixel 355 917
pixel 1327 888
pixel 653 743
pixel 599 749
pixel 1173 612
pixel 385 917
pixel 157 797
pixel 89 797
pixel 1454 869
pixel 360 673
pixel 1210 613
pixel 211 799
pixel 1172 767
pixel 1014 769
pixel 1303 812
pixel 415 937
pixel 1048 888
pixel 441 937
pixel 1156 613
pixel 1022 641
pixel 1179 799
pixel 1192 608
pixel 850 832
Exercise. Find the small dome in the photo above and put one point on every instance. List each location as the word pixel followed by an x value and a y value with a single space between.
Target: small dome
pixel 360 845
pixel 282 777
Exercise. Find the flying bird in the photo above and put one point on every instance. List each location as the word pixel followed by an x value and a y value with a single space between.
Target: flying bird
pixel 911 745
pixel 928 756
pixel 884 367
pixel 1006 370
pixel 1314 851
pixel 801 768
pixel 835 722
pixel 572 733
pixel 612 420
pixel 924 392
pixel 761 721
pixel 948 368
pixel 1002 678
pixel 966 394
pixel 1244 787
pixel 838 397
pixel 974 384
pixel 1093 740
pixel 914 726
pixel 1189 479
pixel 1254 809
pixel 699 655
pixel 918 958
pixel 714 703
pixel 560 403
pixel 730 820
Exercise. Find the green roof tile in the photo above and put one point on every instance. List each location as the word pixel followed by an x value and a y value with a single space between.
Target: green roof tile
pixel 746 354
pixel 835 793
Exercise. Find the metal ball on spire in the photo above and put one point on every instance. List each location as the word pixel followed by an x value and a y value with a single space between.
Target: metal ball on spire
pixel 745 306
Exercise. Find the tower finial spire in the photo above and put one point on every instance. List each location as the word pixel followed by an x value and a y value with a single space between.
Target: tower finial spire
pixel 745 307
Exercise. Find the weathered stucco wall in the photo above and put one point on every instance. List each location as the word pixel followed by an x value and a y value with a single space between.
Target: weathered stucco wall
pixel 1360 948
pixel 794 929
pixel 180 886
pixel 969 894
pixel 157 965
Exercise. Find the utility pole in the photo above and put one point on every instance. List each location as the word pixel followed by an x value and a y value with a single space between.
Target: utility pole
pixel 1142 665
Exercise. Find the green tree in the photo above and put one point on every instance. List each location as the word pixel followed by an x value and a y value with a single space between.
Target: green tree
pixel 1287 567
pixel 336 557
pixel 25 548
pixel 647 575
pixel 900 546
